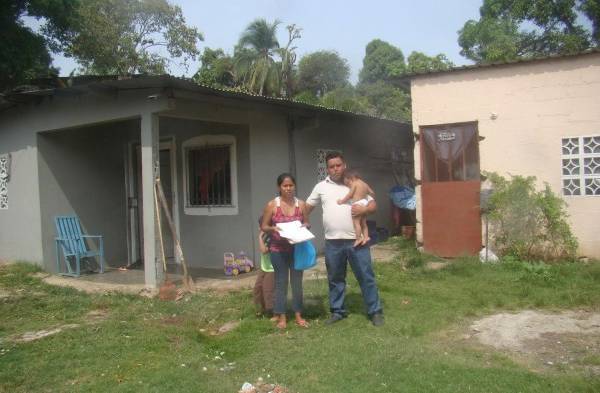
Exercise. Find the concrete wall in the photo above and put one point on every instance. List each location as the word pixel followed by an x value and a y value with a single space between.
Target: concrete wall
pixel 20 227
pixel 21 224
pixel 204 239
pixel 81 172
pixel 367 147
pixel 73 162
pixel 523 111
pixel 263 153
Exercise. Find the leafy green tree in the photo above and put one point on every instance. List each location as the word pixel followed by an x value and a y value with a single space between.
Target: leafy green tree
pixel 509 29
pixel 492 40
pixel 217 69
pixel 322 71
pixel 591 8
pixel 420 62
pixel 307 97
pixel 254 57
pixel 25 54
pixel 382 62
pixel 383 65
pixel 346 99
pixel 387 101
pixel 127 37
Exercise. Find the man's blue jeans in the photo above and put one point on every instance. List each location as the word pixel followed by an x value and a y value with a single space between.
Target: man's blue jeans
pixel 337 254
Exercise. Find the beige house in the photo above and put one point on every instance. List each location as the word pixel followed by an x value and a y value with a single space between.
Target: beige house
pixel 537 117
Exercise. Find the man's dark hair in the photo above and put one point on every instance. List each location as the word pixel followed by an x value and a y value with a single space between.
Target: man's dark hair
pixel 334 154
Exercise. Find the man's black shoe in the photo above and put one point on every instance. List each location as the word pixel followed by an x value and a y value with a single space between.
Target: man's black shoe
pixel 377 319
pixel 333 319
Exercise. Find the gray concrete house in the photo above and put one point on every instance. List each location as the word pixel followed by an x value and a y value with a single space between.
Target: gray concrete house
pixel 90 149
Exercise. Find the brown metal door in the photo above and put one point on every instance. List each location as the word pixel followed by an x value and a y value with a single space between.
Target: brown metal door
pixel 450 189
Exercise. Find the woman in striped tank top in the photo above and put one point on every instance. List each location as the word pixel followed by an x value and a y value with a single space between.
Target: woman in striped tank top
pixel 285 208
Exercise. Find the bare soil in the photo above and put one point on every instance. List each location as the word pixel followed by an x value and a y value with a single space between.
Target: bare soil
pixel 93 317
pixel 569 340
pixel 93 287
pixel 32 336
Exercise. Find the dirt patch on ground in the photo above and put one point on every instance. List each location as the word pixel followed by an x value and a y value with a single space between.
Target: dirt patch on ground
pixel 383 253
pixel 227 327
pixel 93 287
pixel 96 316
pixel 569 340
pixel 433 265
pixel 91 318
pixel 173 320
pixel 32 336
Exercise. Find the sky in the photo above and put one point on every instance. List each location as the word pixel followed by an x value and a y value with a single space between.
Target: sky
pixel 346 26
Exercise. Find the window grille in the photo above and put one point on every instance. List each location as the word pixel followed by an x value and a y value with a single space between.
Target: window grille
pixel 581 165
pixel 209 176
pixel 4 173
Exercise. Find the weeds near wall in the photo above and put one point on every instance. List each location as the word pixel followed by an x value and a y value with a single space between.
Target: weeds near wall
pixel 529 224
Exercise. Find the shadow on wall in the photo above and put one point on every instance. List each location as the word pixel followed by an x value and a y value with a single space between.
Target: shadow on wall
pixel 81 172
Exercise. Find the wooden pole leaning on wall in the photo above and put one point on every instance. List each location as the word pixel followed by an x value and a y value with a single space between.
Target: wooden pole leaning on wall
pixel 188 283
pixel 167 291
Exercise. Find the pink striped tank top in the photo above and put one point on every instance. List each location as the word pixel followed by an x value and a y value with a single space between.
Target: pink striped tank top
pixel 279 244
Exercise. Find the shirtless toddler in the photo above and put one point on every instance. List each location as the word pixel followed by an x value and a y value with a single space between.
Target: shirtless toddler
pixel 359 190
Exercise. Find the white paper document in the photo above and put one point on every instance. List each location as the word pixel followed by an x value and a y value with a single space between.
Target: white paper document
pixel 294 232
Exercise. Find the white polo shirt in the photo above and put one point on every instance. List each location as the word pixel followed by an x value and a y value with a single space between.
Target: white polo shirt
pixel 337 219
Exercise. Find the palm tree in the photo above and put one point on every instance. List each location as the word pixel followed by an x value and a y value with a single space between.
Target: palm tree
pixel 288 61
pixel 255 65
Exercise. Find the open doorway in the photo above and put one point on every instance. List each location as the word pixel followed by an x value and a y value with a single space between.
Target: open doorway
pixel 135 201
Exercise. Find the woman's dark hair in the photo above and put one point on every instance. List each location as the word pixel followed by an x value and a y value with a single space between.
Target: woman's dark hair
pixel 334 154
pixel 284 176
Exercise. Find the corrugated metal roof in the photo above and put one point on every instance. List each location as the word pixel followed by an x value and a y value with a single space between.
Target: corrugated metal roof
pixel 80 85
pixel 500 64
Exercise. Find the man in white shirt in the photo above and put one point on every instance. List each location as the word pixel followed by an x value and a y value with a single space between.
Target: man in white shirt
pixel 339 243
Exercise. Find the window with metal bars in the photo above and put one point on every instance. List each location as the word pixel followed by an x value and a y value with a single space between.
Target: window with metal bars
pixel 209 176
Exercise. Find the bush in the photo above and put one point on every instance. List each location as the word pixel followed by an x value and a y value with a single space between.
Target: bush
pixel 528 224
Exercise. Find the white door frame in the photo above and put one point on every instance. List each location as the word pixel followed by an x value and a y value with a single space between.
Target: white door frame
pixel 167 143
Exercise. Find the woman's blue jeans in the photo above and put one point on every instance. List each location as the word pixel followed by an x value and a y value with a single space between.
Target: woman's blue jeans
pixel 338 253
pixel 283 264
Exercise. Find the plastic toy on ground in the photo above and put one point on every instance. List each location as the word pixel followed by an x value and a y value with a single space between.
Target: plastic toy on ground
pixel 245 264
pixel 234 265
pixel 229 265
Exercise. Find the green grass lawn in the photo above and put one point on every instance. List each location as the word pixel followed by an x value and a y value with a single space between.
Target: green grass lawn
pixel 148 345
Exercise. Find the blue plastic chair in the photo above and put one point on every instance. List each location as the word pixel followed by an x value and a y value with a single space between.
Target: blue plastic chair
pixel 74 247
